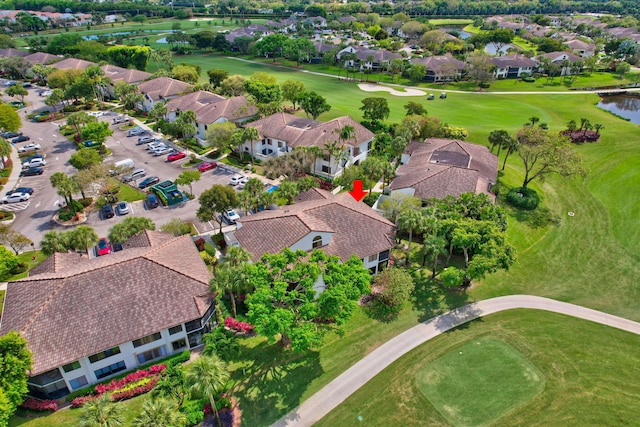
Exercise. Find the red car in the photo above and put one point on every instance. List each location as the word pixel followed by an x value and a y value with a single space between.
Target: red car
pixel 205 166
pixel 103 247
pixel 176 156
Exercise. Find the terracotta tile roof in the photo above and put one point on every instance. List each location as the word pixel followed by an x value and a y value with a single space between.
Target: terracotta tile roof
pixel 193 101
pixel 73 64
pixel 235 108
pixel 441 167
pixel 440 63
pixel 8 53
pixel 129 76
pixel 42 58
pixel 163 87
pixel 379 55
pixel 86 308
pixel 356 228
pixel 301 132
pixel 513 61
pixel 312 194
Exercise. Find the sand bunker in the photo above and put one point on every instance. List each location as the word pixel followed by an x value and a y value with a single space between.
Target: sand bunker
pixel 368 87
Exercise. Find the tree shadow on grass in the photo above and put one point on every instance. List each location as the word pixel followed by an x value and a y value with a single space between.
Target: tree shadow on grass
pixel 272 381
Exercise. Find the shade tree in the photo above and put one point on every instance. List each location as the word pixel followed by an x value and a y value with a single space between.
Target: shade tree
pixel 215 201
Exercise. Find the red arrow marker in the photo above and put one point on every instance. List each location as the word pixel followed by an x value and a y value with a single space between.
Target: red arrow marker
pixel 357 192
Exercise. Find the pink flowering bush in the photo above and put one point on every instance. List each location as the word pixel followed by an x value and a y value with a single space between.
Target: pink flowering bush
pixel 79 401
pixel 129 393
pixel 40 405
pixel 131 378
pixel 237 325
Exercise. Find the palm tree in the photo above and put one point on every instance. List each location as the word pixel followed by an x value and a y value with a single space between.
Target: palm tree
pixel 598 127
pixel 52 242
pixel 336 152
pixel 436 246
pixel 101 412
pixel 510 144
pixel 159 111
pixel 250 134
pixel 160 412
pixel 230 279
pixel 207 376
pixel 410 220
pixel 65 185
pixel 84 237
pixel 533 120
pixel 185 123
pixel 236 256
pixel 315 152
pixel 79 119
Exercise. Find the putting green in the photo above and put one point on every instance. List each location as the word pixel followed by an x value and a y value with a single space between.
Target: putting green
pixel 479 382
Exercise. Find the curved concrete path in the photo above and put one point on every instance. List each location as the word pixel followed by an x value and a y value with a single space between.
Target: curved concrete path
pixel 317 406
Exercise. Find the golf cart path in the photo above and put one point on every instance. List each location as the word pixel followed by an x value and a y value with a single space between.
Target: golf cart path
pixel 324 401
pixel 422 89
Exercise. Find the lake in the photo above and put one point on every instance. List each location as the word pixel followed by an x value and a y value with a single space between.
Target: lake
pixel 622 105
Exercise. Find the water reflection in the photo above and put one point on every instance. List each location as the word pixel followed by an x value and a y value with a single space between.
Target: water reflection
pixel 623 106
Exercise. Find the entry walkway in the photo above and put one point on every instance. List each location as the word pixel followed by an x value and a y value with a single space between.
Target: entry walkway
pixel 320 404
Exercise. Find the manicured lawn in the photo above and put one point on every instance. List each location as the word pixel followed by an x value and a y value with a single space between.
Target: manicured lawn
pixel 452 21
pixel 586 367
pixel 479 382
pixel 129 194
pixel 27 258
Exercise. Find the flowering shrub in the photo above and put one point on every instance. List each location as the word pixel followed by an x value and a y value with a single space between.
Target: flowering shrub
pixel 132 385
pixel 40 405
pixel 128 394
pixel 79 401
pixel 237 325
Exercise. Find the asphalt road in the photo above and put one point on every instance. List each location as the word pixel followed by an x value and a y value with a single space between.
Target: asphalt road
pixel 35 217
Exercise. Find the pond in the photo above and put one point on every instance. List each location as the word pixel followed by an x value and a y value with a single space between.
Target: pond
pixel 622 105
pixel 125 33
pixel 461 33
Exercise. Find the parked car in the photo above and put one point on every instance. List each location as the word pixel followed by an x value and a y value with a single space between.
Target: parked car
pixel 235 180
pixel 11 83
pixel 145 140
pixel 32 172
pixel 136 131
pixel 120 119
pixel 242 182
pixel 103 247
pixel 16 197
pixel 148 182
pixel 91 144
pixel 153 145
pixel 123 208
pixel 152 201
pixel 205 166
pixel 8 135
pixel 45 92
pixel 34 163
pixel 230 216
pixel 95 113
pixel 162 151
pixel 27 190
pixel 176 156
pixel 107 211
pixel 136 174
pixel 27 85
pixel 21 138
pixel 29 147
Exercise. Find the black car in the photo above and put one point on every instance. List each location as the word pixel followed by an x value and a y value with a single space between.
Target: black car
pixel 32 172
pixel 8 135
pixel 21 138
pixel 152 201
pixel 107 211
pixel 27 190
pixel 148 182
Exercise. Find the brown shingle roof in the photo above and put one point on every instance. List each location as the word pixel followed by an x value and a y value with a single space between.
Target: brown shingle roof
pixel 440 63
pixel 298 131
pixel 163 87
pixel 73 64
pixel 235 108
pixel 129 76
pixel 441 167
pixel 357 229
pixel 8 53
pixel 193 101
pixel 42 58
pixel 513 61
pixel 99 303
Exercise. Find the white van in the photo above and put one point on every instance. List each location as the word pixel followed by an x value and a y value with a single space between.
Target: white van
pixel 121 165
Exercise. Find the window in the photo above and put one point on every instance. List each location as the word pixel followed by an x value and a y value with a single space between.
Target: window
pixel 195 339
pixel 147 339
pixel 71 366
pixel 372 258
pixel 110 370
pixel 317 242
pixel 78 382
pixel 193 325
pixel 151 354
pixel 326 169
pixel 177 345
pixel 104 354
pixel 356 151
pixel 384 255
pixel 279 144
pixel 175 330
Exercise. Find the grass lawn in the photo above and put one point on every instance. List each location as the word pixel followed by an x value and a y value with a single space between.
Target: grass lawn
pixel 452 21
pixel 27 258
pixel 586 367
pixel 479 382
pixel 128 193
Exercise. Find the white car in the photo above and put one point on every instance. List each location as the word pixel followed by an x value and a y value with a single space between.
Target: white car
pixel 95 113
pixel 29 147
pixel 154 145
pixel 15 197
pixel 242 182
pixel 120 119
pixel 34 163
pixel 163 151
pixel 236 179
pixel 231 216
